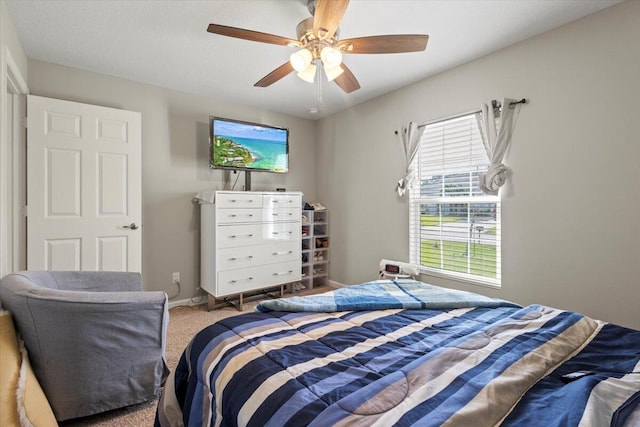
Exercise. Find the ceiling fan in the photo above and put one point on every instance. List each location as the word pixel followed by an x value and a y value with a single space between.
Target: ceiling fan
pixel 319 43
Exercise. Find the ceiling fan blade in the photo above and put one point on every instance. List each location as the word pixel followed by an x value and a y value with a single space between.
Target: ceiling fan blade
pixel 327 17
pixel 255 36
pixel 275 75
pixel 347 81
pixel 385 44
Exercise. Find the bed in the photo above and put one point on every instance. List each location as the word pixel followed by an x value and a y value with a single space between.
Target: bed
pixel 402 352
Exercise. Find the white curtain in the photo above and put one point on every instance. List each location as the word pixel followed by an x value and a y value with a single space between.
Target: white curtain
pixel 496 142
pixel 410 134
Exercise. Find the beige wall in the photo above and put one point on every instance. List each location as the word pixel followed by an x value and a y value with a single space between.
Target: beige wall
pixel 175 136
pixel 571 231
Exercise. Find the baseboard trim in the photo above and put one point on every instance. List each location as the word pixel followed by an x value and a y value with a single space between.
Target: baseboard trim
pixel 335 284
pixel 202 299
pixel 188 302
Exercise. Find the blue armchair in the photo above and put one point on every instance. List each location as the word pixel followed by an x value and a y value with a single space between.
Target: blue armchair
pixel 96 341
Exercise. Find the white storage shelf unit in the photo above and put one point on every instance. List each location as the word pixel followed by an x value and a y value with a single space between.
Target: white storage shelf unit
pixel 315 248
pixel 250 241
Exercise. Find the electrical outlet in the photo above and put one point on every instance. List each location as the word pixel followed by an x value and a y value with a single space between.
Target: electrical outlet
pixel 176 277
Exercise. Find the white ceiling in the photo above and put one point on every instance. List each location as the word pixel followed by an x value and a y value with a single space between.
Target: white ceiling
pixel 165 42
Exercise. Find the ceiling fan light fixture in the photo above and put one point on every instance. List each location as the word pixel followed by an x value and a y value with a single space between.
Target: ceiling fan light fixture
pixel 308 74
pixel 301 60
pixel 318 43
pixel 333 72
pixel 331 57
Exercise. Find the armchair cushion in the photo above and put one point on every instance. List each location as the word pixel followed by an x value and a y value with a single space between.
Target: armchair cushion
pixel 96 341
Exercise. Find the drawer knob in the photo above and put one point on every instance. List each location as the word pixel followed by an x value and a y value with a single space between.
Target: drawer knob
pixel 250 257
pixel 233 236
pixel 233 281
pixel 233 215
pixel 232 259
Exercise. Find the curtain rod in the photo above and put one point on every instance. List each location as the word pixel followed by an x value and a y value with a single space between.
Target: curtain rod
pixel 442 119
pixel 476 111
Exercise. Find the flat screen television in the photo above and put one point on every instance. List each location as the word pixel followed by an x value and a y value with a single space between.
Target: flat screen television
pixel 238 145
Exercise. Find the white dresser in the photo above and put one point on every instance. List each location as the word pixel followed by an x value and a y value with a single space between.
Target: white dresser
pixel 250 240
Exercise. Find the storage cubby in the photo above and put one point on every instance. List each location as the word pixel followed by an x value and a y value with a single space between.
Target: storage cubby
pixel 315 248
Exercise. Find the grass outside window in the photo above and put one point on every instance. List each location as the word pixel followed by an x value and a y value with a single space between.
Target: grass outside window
pixel 469 257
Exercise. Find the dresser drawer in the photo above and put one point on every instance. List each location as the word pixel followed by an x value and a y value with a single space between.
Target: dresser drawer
pixel 281 252
pixel 281 201
pixel 284 272
pixel 238 200
pixel 248 279
pixel 281 214
pixel 281 232
pixel 240 257
pixel 238 215
pixel 231 236
pixel 252 256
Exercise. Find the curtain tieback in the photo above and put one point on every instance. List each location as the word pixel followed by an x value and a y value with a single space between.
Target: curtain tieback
pixel 404 183
pixel 401 188
pixel 495 178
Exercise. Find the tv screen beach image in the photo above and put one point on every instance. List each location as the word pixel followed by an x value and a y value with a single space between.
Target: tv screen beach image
pixel 249 146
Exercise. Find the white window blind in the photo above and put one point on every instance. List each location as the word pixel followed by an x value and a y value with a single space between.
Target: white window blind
pixel 454 228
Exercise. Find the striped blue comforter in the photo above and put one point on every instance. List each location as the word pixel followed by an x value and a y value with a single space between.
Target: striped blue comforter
pixel 469 366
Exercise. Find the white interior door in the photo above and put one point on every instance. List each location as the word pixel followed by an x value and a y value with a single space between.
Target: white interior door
pixel 83 187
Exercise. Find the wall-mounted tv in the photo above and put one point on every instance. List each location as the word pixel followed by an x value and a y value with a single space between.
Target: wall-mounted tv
pixel 239 145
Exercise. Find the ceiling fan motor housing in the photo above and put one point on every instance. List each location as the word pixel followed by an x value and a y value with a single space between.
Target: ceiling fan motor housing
pixel 304 33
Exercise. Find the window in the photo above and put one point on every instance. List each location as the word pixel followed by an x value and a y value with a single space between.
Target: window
pixel 454 228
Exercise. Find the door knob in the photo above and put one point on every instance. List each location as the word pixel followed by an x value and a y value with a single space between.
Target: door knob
pixel 131 226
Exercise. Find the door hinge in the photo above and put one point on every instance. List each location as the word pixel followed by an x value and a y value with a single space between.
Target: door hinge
pixel 25 122
pixel 25 211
